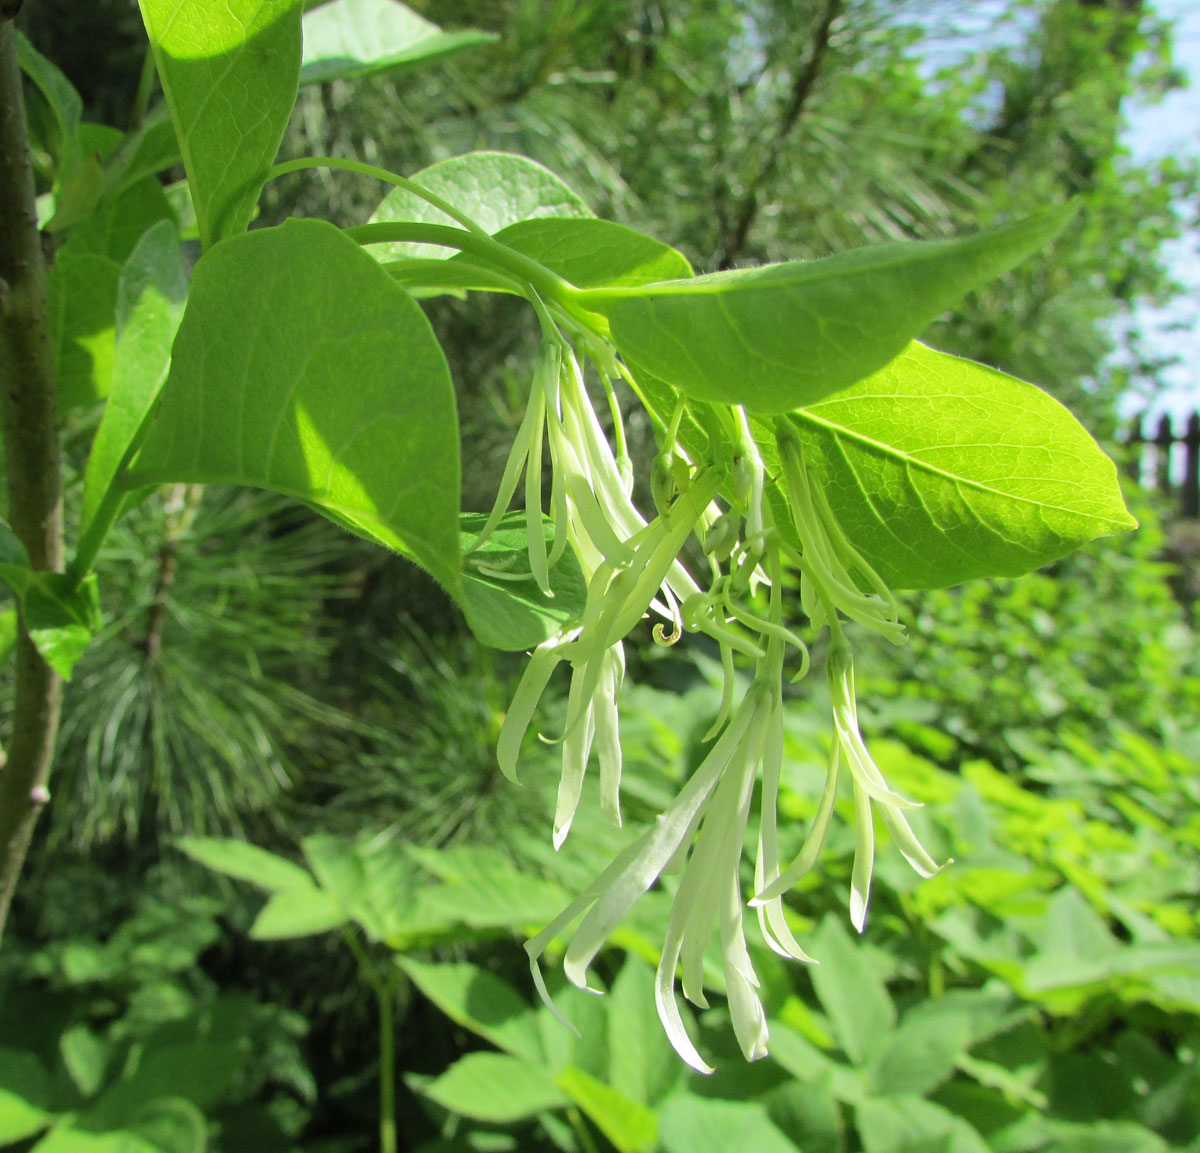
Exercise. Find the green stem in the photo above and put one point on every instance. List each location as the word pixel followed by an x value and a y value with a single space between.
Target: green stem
pixel 581 1131
pixel 111 506
pixel 145 89
pixel 546 283
pixel 387 1068
pixel 98 527
pixel 385 995
pixel 362 169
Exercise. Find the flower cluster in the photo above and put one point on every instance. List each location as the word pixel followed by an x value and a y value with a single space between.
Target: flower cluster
pixel 633 568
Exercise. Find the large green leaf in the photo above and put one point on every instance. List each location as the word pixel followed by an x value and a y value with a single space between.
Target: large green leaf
pixel 854 998
pixel 785 335
pixel 628 1124
pixel 150 300
pixel 501 599
pixel 83 298
pixel 230 73
pixel 495 1087
pixel 912 1125
pixel 692 1124
pixel 246 862
pixel 298 912
pixel 495 189
pixel 300 367
pixel 479 1001
pixel 940 470
pixel 492 894
pixel 348 38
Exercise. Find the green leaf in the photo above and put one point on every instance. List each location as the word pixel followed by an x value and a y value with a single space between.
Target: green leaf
pixel 495 189
pixel 248 51
pixel 1107 1137
pixel 912 1125
pixel 479 1001
pixel 298 912
pixel 641 1063
pixel 501 600
pixel 495 1087
pixel 809 1064
pixel 693 1124
pixel 940 470
pixel 172 1124
pixel 62 618
pixel 246 862
pixel 340 866
pixel 628 1124
pixel 77 175
pixel 150 300
pixel 300 367
pixel 121 219
pixel 854 998
pixel 590 252
pixel 24 1095
pixel 8 632
pixel 918 1056
pixel 85 1056
pixel 68 1139
pixel 152 148
pixel 83 299
pixel 507 901
pixel 65 103
pixel 351 38
pixel 786 335
pixel 201 1071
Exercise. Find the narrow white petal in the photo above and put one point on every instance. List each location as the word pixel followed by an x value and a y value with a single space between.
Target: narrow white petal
pixel 745 1008
pixel 864 858
pixel 533 683
pixel 668 1007
pixel 659 845
pixel 577 748
pixel 532 421
pixel 815 840
pixel 533 513
pixel 906 841
pixel 608 735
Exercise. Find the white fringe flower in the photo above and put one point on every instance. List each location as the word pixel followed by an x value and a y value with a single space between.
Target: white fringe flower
pixel 633 567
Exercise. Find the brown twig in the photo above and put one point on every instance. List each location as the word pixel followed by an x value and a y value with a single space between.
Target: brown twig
pixel 30 428
pixel 182 503
pixel 802 89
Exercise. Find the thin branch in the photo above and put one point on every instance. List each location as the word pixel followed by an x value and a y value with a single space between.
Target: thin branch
pixel 30 429
pixel 802 89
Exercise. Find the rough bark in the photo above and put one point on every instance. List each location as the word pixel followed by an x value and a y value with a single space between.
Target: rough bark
pixel 30 428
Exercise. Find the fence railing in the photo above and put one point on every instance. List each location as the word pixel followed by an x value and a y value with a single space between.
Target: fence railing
pixel 1153 455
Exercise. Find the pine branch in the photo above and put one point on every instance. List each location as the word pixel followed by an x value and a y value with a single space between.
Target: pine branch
pixel 30 429
pixel 802 89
